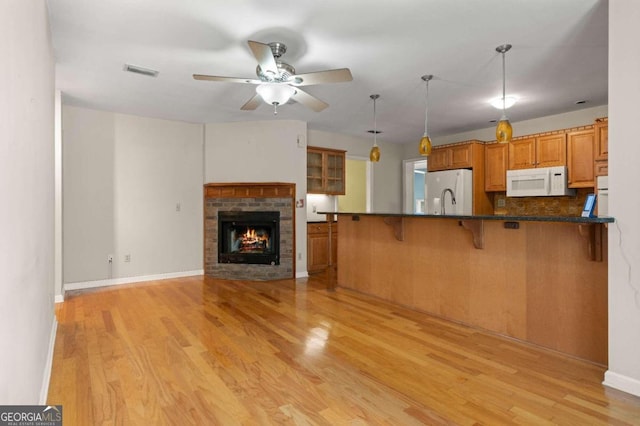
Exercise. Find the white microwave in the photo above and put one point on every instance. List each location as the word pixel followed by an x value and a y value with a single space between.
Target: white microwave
pixel 541 182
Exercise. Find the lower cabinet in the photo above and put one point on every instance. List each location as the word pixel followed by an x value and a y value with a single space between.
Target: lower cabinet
pixel 318 246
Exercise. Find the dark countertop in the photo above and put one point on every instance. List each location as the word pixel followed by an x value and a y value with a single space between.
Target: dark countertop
pixel 506 218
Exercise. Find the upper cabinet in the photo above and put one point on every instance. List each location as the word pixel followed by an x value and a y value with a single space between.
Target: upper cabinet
pixel 601 150
pixel 583 150
pixel 464 155
pixel 540 151
pixel 325 171
pixel 496 157
pixel 451 157
pixel 580 159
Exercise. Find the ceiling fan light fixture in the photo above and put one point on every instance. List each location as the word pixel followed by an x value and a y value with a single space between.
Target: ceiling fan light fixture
pixel 275 93
pixel 504 131
pixel 374 154
pixel 424 148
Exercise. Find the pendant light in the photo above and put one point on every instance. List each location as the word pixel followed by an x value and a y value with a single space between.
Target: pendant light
pixel 425 143
pixel 374 155
pixel 504 131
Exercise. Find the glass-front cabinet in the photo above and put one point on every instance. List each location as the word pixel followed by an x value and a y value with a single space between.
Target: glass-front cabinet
pixel 325 171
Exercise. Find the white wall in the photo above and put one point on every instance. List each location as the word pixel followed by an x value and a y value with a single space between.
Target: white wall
pixel 387 174
pixel 123 177
pixel 624 202
pixel 262 151
pixel 26 218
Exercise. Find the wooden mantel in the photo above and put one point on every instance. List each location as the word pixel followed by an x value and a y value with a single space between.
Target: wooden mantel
pixel 249 189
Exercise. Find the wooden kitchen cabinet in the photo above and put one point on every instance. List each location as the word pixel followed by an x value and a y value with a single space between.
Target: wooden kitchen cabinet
pixel 496 157
pixel 451 157
pixel 601 150
pixel 580 159
pixel 318 246
pixel 464 155
pixel 522 154
pixel 439 159
pixel 540 151
pixel 325 171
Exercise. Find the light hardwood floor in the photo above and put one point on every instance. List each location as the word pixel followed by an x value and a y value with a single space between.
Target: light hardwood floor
pixel 214 352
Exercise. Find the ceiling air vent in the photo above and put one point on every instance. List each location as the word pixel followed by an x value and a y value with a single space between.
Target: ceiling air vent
pixel 139 70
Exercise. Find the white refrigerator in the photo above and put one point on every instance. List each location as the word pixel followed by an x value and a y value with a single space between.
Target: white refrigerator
pixel 445 187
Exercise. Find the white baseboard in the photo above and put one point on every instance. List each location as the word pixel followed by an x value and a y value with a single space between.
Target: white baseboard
pixel 304 274
pixel 46 377
pixel 128 280
pixel 623 383
pixel 59 298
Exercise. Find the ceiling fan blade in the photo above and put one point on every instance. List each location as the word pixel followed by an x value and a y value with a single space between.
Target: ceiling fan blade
pixel 320 77
pixel 309 101
pixel 226 79
pixel 252 103
pixel 264 56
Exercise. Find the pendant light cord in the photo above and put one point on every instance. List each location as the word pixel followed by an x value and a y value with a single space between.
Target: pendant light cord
pixel 504 90
pixel 375 128
pixel 426 108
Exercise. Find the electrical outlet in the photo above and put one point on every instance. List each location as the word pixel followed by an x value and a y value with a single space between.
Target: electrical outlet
pixel 110 258
pixel 299 256
pixel 178 207
pixel 127 258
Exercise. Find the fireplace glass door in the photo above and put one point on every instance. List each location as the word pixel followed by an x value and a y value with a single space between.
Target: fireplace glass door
pixel 249 237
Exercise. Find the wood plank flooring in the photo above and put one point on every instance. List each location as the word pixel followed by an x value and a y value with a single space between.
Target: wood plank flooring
pixel 213 352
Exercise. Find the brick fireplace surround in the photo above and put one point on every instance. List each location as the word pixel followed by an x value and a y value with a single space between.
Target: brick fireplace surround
pixel 271 196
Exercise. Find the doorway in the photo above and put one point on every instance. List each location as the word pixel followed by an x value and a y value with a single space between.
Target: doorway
pixel 357 196
pixel 413 180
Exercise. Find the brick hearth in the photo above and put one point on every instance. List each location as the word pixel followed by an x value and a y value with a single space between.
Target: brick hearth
pixel 250 197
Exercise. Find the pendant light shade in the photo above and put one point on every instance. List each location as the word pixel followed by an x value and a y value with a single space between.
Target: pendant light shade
pixel 374 155
pixel 504 131
pixel 425 143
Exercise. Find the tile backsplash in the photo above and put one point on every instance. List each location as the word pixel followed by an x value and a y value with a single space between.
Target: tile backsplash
pixel 540 206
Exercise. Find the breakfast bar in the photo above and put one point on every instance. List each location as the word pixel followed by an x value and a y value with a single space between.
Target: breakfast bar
pixel 539 279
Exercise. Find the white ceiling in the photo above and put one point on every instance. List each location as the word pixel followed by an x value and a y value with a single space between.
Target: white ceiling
pixel 559 56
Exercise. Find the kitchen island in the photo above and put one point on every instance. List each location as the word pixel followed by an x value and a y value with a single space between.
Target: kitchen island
pixel 542 280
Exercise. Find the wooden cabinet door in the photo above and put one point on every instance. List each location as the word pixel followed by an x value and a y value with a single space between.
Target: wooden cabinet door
pixel 495 171
pixel 522 154
pixel 461 157
pixel 317 247
pixel 580 164
pixel 602 140
pixel 439 159
pixel 335 169
pixel 315 174
pixel 551 150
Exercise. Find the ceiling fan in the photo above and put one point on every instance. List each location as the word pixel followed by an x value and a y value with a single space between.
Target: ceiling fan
pixel 278 82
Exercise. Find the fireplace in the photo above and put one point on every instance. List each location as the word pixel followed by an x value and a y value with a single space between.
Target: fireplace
pixel 227 202
pixel 250 237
